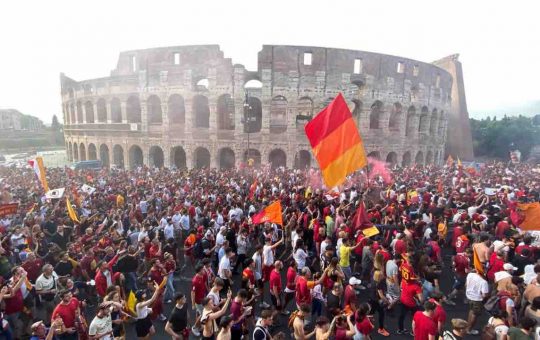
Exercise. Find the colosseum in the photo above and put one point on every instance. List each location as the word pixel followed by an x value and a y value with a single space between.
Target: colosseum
pixel 189 106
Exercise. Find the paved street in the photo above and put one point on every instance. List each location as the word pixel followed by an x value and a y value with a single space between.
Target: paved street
pixel 183 284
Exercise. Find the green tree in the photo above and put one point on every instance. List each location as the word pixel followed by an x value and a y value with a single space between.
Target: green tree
pixel 492 138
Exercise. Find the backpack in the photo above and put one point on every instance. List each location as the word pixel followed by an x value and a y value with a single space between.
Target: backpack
pixel 293 317
pixel 488 333
pixel 448 335
pixel 198 250
pixel 493 304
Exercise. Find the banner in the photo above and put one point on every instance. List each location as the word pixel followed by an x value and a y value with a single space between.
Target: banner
pixel 88 189
pixel 39 169
pixel 55 193
pixel 8 209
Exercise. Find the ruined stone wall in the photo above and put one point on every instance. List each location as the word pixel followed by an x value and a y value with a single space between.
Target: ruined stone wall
pixel 184 106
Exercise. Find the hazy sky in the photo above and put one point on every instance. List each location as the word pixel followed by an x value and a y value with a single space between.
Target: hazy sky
pixel 498 41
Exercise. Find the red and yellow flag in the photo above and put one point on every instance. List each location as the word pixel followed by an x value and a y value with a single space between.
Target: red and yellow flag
pixel 271 213
pixel 39 169
pixel 335 142
pixel 531 213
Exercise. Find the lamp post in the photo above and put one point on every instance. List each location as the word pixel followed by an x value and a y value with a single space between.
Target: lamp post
pixel 247 122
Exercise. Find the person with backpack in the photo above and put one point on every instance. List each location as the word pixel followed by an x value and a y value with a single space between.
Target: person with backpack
pixel 476 290
pixel 496 328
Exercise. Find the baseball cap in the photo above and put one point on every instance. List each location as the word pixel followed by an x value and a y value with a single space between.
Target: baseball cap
pixel 509 266
pixel 354 281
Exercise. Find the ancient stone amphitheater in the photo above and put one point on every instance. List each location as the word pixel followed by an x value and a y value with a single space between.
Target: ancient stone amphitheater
pixel 188 106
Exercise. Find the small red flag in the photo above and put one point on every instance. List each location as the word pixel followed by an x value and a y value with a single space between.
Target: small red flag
pixel 271 213
pixel 361 220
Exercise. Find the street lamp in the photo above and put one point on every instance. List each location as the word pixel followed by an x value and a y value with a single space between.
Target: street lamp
pixel 247 120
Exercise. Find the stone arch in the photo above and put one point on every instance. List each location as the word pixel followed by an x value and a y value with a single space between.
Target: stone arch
pixel 375 115
pixel 374 154
pixel 433 123
pixel 92 152
pixel 136 157
pixel 201 158
pixel 429 157
pixel 118 156
pixel 278 114
pixel 101 110
pixel 89 109
pixel 391 158
pixel 253 154
pixel 423 125
pixel 202 84
pixel 201 112
pixel 253 84
pixel 177 109
pixel 419 159
pixel 302 160
pixel 79 112
pixel 116 110
pixel 406 160
pixel 226 158
pixel 104 155
pixel 394 123
pixel 358 107
pixel 133 109
pixel 155 157
pixel 304 107
pixel 440 127
pixel 277 158
pixel 178 157
pixel 409 124
pixel 72 114
pixel 225 112
pixel 153 106
pixel 82 152
pixel 75 152
pixel 253 122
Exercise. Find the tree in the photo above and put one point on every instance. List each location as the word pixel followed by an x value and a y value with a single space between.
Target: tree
pixel 492 138
pixel 55 125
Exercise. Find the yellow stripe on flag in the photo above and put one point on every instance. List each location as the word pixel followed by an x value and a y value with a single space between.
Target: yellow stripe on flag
pixel 337 171
pixel 477 264
pixel 42 176
pixel 71 212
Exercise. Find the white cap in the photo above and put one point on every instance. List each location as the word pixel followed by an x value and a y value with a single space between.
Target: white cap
pixel 509 266
pixel 354 281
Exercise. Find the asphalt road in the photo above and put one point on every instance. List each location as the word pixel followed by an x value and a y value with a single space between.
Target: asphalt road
pixel 183 284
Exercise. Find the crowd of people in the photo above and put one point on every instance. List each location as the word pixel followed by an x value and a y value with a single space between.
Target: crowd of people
pixel 175 254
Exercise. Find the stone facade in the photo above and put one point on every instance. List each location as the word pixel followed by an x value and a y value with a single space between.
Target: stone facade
pixel 186 106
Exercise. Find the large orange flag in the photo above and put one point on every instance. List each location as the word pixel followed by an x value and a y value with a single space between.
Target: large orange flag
pixel 335 142
pixel 271 213
pixel 531 212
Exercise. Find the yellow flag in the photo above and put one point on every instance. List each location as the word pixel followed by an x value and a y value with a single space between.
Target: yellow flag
pixel 71 212
pixel 163 283
pixel 459 162
pixel 131 302
pixel 120 200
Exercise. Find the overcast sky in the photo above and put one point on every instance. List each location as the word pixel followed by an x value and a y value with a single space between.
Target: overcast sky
pixel 498 41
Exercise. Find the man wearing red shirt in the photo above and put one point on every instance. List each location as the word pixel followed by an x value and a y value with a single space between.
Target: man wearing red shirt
pixel 462 242
pixel 33 266
pixel 198 288
pixel 439 314
pixel 461 264
pixel 276 287
pixel 304 286
pixel 409 291
pixel 68 311
pixel 423 325
pixel 496 264
pixel 501 228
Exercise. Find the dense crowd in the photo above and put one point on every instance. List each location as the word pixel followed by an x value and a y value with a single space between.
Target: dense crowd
pixel 119 266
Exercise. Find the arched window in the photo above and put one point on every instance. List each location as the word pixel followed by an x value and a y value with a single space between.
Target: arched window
pixel 375 115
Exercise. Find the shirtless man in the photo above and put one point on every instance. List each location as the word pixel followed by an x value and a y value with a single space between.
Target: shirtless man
pixel 482 249
pixel 298 324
